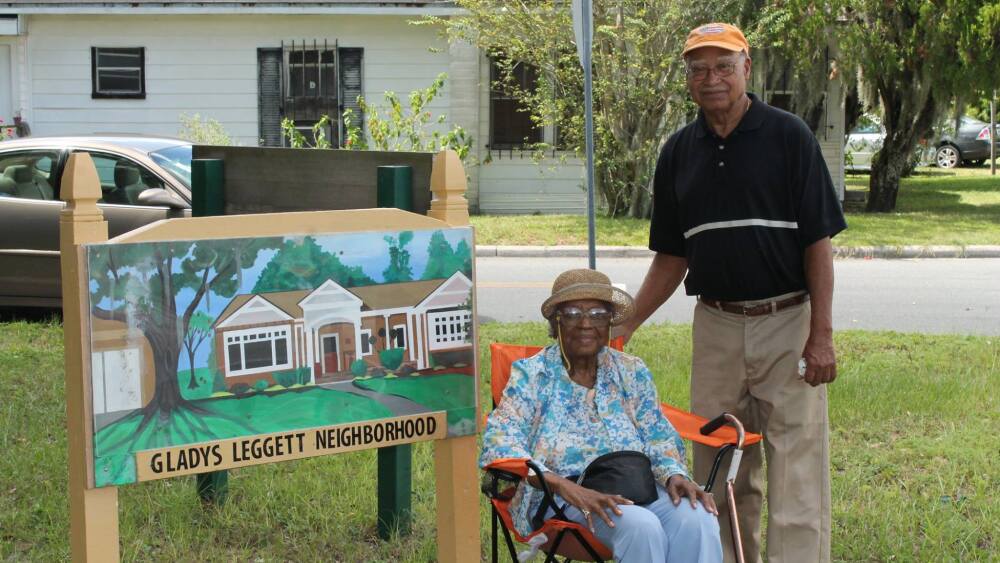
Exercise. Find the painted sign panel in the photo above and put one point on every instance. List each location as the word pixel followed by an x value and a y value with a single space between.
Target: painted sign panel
pixel 221 353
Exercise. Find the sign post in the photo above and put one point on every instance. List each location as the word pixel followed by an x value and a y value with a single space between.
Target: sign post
pixel 93 526
pixel 456 474
pixel 583 28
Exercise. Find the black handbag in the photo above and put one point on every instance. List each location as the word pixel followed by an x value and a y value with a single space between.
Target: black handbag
pixel 625 473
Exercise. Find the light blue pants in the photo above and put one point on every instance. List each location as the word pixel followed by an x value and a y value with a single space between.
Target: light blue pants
pixel 658 532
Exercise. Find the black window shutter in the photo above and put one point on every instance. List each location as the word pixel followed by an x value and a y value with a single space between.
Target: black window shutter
pixel 351 84
pixel 269 96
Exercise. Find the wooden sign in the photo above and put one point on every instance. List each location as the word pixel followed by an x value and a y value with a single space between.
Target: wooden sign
pixel 213 353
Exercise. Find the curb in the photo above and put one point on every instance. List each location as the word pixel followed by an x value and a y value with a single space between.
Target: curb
pixel 857 252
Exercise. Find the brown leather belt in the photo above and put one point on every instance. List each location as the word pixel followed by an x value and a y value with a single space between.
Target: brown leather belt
pixel 765 308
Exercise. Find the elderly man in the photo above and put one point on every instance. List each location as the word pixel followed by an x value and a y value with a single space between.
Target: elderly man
pixel 745 206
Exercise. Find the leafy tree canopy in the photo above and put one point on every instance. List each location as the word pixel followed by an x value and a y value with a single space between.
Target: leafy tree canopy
pixel 399 269
pixel 443 260
pixel 639 94
pixel 304 264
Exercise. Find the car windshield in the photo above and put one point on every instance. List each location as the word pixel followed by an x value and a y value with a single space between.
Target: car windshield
pixel 175 160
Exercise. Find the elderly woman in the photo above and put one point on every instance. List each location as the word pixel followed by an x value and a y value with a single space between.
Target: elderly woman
pixel 579 399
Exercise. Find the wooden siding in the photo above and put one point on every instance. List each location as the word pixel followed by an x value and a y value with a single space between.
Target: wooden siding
pixel 207 65
pixel 512 183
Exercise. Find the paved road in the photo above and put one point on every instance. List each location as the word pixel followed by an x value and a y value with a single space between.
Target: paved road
pixel 921 295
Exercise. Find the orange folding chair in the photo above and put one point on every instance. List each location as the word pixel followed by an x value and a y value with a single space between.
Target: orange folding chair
pixel 565 538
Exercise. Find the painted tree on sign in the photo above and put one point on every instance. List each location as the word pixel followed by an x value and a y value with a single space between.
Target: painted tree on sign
pixel 199 328
pixel 443 260
pixel 304 264
pixel 399 269
pixel 138 284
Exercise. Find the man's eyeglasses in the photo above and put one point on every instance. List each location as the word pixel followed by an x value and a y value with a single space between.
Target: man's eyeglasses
pixel 700 72
pixel 573 316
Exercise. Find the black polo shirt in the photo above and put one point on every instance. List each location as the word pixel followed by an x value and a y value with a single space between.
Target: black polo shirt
pixel 743 209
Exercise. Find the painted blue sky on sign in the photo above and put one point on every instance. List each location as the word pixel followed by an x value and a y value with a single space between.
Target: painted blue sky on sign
pixel 367 250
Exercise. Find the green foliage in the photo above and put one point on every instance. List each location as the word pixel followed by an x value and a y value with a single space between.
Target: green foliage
pixel 395 127
pixel 261 385
pixel 303 264
pixel 297 140
pixel 6 130
pixel 399 269
pixel 203 131
pixel 639 89
pixel 391 359
pixel 443 260
pixel 297 376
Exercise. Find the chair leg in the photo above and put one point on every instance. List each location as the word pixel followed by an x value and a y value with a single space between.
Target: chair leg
pixel 510 541
pixel 493 535
pixel 550 557
pixel 586 545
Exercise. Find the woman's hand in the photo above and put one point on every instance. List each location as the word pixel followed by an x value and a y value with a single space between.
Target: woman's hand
pixel 591 503
pixel 680 486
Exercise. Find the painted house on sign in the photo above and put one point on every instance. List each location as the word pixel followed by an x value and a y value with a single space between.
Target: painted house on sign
pixel 326 329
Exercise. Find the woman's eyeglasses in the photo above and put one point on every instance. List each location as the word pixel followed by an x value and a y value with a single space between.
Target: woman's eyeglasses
pixel 573 316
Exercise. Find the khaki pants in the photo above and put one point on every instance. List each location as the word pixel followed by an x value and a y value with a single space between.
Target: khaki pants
pixel 748 366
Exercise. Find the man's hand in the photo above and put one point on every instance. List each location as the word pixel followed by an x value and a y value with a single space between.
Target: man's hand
pixel 679 486
pixel 821 360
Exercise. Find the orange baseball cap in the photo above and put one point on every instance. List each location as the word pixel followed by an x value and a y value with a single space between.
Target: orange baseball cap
pixel 722 35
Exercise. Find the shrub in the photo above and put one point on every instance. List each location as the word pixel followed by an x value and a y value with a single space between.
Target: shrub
pixel 203 131
pixel 359 368
pixel 289 377
pixel 261 385
pixel 391 359
pixel 239 389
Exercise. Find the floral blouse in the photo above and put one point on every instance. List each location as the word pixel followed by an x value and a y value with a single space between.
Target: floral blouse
pixel 545 416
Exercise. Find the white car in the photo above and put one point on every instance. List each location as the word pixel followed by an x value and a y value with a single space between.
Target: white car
pixel 862 144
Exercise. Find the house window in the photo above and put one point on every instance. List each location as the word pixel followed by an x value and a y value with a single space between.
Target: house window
pixel 510 125
pixel 302 82
pixel 448 329
pixel 366 342
pixel 256 350
pixel 398 336
pixel 118 72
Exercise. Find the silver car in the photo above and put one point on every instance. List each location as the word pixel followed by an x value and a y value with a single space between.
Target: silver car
pixel 143 179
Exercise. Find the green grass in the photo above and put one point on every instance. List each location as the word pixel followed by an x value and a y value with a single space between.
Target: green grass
pixel 935 207
pixel 915 472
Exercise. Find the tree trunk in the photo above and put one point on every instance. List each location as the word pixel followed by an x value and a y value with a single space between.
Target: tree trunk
pixel 193 383
pixel 883 187
pixel 906 116
pixel 167 392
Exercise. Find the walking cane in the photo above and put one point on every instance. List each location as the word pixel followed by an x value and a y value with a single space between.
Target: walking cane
pixel 734 467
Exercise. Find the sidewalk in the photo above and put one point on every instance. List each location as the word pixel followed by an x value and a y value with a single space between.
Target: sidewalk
pixel 863 252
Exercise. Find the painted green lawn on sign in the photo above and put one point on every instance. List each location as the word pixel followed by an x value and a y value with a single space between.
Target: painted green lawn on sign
pixel 935 207
pixel 219 419
pixel 447 391
pixel 915 478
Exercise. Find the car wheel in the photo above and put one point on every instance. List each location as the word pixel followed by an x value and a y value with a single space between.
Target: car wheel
pixel 947 157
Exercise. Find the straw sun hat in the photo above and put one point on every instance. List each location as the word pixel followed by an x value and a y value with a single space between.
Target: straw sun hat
pixel 588 284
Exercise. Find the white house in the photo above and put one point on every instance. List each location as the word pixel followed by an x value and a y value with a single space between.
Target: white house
pixel 328 328
pixel 79 67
